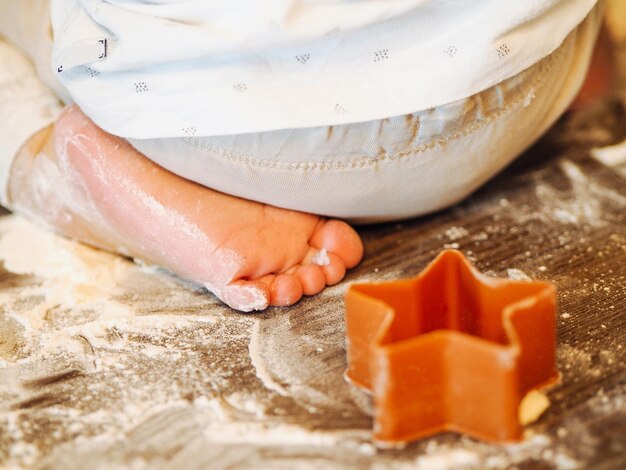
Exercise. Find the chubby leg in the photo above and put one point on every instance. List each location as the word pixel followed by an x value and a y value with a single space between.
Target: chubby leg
pixel 95 187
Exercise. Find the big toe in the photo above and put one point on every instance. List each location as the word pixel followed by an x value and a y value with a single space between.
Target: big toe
pixel 339 238
pixel 245 296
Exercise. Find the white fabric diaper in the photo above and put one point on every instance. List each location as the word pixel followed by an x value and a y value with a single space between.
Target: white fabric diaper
pixel 392 168
pixel 180 68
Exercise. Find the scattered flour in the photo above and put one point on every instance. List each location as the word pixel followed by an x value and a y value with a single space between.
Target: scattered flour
pixel 437 458
pixel 454 233
pixel 27 249
pixel 585 205
pixel 612 155
pixel 450 459
pixel 321 258
pixel 72 274
pixel 131 357
pixel 517 275
pixel 259 364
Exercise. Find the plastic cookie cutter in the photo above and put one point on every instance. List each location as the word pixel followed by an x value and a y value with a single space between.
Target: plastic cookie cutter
pixel 450 350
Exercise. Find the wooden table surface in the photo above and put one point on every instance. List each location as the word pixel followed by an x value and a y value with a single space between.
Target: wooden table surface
pixel 127 367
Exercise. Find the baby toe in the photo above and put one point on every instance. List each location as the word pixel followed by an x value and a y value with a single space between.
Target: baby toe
pixel 312 279
pixel 341 239
pixel 335 270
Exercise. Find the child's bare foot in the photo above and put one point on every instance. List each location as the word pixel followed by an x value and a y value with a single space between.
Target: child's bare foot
pixel 95 187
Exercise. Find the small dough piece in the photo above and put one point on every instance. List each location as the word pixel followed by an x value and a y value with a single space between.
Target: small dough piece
pixel 532 407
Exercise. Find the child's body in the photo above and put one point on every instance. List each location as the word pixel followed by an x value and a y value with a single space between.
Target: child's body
pixel 97 188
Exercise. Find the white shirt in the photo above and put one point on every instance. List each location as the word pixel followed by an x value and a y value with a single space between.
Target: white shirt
pixel 174 68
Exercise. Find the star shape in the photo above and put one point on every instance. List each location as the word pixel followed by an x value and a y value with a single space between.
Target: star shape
pixel 450 350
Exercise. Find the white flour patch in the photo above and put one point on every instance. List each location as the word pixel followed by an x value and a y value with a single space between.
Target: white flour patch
pixel 454 233
pixel 517 275
pixel 274 434
pixel 450 459
pixel 71 274
pixel 258 362
pixel 585 205
pixel 27 249
pixel 321 258
pixel 612 155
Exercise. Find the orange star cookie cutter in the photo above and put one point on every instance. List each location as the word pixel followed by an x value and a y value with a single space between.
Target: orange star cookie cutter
pixel 450 350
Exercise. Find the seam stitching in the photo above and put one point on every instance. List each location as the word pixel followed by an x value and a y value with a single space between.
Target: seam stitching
pixel 361 162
